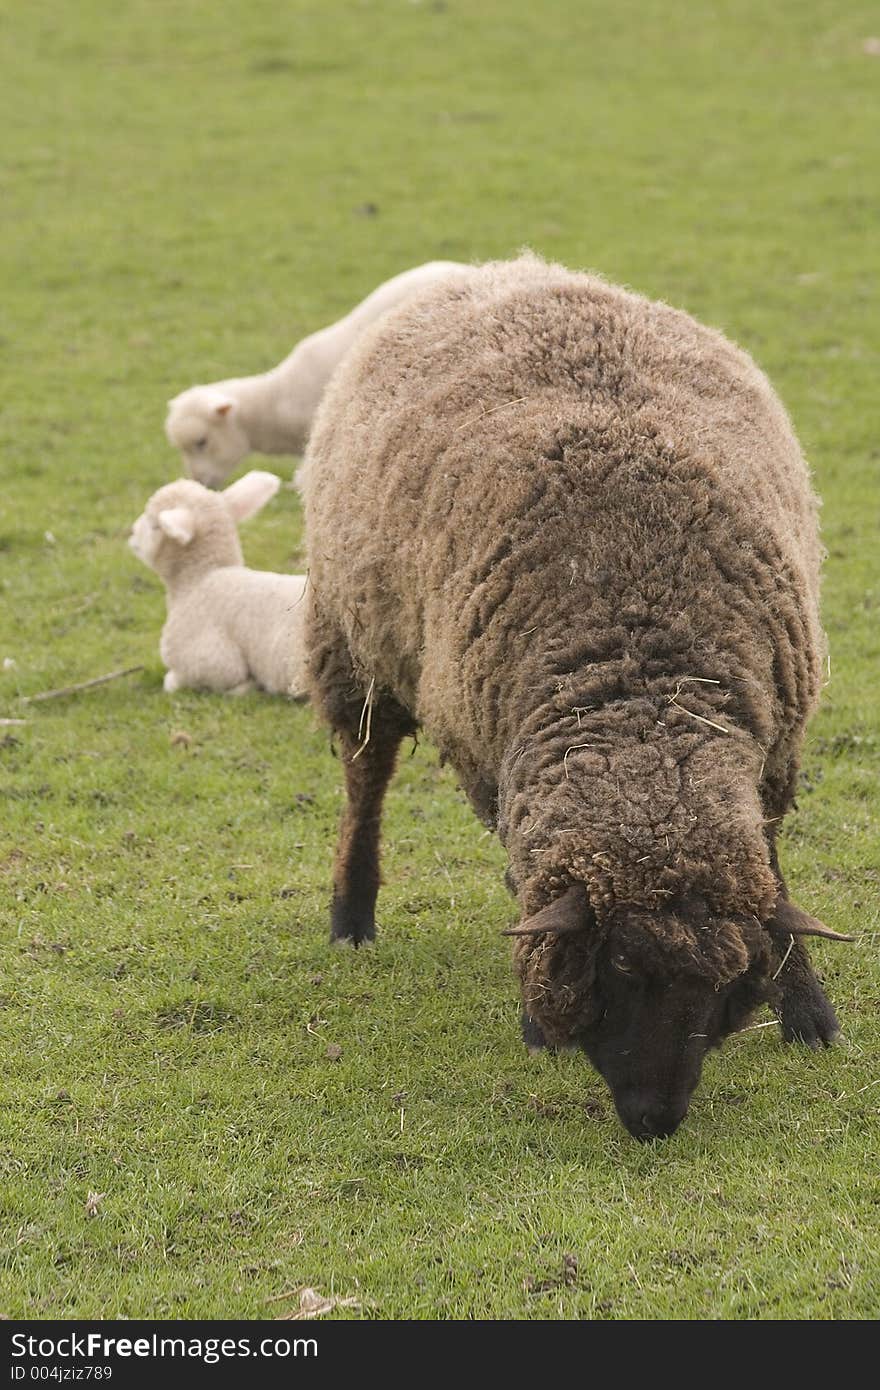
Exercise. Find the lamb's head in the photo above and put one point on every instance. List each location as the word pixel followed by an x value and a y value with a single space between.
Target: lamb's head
pixel 203 423
pixel 647 994
pixel 184 526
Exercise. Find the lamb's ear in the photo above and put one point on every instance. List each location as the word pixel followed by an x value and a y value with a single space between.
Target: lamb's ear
pixel 245 497
pixel 222 408
pixel 792 919
pixel 178 523
pixel 566 914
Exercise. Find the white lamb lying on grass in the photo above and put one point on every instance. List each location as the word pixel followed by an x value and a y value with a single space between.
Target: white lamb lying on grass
pixel 217 426
pixel 229 628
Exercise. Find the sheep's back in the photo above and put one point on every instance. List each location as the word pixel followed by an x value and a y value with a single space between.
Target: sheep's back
pixel 533 453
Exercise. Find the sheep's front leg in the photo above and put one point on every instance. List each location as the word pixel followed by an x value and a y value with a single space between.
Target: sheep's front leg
pixel 369 763
pixel 370 725
pixel 805 1013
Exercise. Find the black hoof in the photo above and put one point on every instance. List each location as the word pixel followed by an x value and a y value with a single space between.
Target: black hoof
pixel 808 1018
pixel 352 924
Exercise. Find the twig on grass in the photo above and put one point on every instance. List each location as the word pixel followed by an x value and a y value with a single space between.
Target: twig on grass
pixel 868 1087
pixel 313 1304
pixel 82 685
pixel 93 1202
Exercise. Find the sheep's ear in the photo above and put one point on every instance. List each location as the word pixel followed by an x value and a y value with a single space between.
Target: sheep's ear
pixel 245 497
pixel 178 523
pixel 789 917
pixel 222 408
pixel 566 914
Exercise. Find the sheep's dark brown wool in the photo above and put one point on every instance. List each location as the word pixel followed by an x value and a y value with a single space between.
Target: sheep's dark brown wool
pixel 570 533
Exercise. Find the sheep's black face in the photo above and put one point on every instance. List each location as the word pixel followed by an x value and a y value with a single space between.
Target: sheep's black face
pixel 645 995
pixel 653 1029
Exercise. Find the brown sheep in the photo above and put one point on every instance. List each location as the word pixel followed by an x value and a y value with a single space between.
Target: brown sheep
pixel 570 533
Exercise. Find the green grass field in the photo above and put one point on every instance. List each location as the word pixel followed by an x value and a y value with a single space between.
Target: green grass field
pixel 187 188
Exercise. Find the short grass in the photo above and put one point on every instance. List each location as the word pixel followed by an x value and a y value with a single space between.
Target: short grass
pixel 187 188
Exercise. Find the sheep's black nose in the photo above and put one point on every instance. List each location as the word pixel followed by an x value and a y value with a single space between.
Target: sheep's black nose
pixel 652 1121
pixel 657 1126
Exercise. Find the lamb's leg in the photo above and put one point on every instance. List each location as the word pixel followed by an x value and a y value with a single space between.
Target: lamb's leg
pixel 805 1014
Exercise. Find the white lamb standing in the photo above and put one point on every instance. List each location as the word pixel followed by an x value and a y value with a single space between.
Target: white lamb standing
pixel 229 628
pixel 218 425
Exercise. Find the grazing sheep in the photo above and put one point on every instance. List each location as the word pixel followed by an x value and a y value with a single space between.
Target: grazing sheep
pixel 216 427
pixel 228 628
pixel 570 533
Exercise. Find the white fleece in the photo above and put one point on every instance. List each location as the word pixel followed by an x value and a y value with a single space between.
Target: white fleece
pixel 229 628
pixel 218 425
